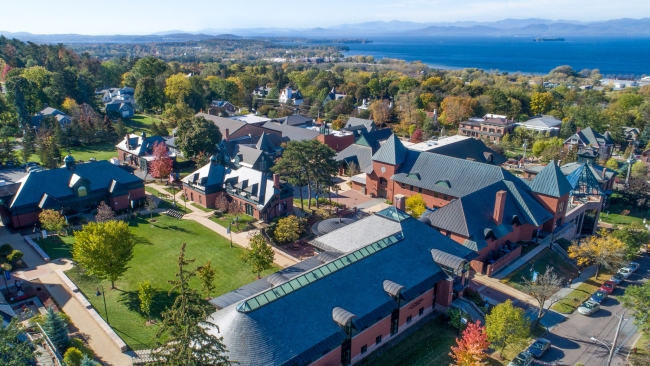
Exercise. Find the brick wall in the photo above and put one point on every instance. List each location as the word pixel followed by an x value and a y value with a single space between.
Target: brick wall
pixel 504 260
pixel 23 220
pixel 332 358
pixel 368 338
pixel 338 143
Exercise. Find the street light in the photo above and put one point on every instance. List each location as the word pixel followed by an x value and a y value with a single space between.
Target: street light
pixel 629 165
pixel 104 296
pixel 612 348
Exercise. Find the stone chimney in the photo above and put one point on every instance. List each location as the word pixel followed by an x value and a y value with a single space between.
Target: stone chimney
pixel 399 201
pixel 276 181
pixel 577 129
pixel 499 207
pixel 226 135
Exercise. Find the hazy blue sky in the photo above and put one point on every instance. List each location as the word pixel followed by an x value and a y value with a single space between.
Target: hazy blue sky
pixel 150 16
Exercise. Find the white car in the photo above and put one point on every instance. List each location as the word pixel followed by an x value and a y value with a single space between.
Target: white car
pixel 625 272
pixel 633 266
pixel 589 307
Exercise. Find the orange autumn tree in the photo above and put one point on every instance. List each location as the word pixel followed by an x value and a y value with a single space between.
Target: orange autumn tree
pixel 162 165
pixel 471 346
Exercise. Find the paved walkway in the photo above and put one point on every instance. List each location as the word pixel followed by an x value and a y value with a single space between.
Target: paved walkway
pixel 101 344
pixel 520 262
pixel 241 239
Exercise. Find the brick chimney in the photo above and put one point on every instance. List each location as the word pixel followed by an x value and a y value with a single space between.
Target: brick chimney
pixel 399 201
pixel 499 207
pixel 226 135
pixel 276 181
pixel 126 139
pixel 577 129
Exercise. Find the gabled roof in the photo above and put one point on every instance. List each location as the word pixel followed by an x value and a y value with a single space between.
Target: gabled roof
pixel 363 148
pixel 550 181
pixel 355 123
pixel 590 137
pixel 140 145
pixel 232 125
pixel 542 122
pixel 584 183
pixel 265 144
pixel 391 152
pixel 209 177
pixel 374 139
pixel 470 149
pixel 596 170
pixel 54 182
pixel 267 335
pixel 472 214
pixel 295 120
pixel 448 175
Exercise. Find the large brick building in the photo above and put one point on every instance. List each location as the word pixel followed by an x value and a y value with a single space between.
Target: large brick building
pixel 73 189
pixel 372 280
pixel 257 194
pixel 491 127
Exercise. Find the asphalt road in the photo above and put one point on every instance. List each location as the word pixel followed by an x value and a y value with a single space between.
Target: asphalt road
pixel 571 339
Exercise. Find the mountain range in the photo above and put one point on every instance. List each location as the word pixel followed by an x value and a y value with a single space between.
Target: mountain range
pixel 534 27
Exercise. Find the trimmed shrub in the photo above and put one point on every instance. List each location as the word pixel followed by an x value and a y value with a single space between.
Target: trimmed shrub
pixel 15 255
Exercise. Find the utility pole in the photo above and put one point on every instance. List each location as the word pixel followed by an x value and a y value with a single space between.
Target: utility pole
pixel 525 145
pixel 618 330
pixel 629 166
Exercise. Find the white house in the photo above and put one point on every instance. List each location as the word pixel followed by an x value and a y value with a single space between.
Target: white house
pixel 287 94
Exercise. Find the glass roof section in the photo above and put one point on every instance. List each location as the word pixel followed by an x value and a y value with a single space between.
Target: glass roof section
pixel 314 275
pixel 394 214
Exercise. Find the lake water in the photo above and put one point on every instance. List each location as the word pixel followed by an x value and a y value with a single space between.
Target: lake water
pixel 614 56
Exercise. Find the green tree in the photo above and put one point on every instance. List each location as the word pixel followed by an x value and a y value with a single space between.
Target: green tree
pixel 197 135
pixel 29 144
pixel 639 169
pixel 289 229
pixel 644 138
pixel 539 146
pixel 178 88
pixel 87 361
pixel 415 205
pixel 56 329
pixel 13 351
pixel 120 129
pixel 148 67
pixel 544 291
pixel 259 255
pixel 634 237
pixel 51 220
pixel 189 337
pixel 637 298
pixel 291 167
pixel 506 325
pixel 145 295
pixel 612 164
pixel 148 94
pixel 206 275
pixel 73 357
pixel 104 249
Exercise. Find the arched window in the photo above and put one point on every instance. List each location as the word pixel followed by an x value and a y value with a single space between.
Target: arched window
pixel 81 191
pixel 383 181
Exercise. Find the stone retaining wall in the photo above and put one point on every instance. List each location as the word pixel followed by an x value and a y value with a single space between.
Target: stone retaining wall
pixel 37 248
pixel 74 290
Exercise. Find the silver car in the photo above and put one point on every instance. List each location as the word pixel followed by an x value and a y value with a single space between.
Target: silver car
pixel 588 307
pixel 522 359
pixel 625 272
pixel 633 266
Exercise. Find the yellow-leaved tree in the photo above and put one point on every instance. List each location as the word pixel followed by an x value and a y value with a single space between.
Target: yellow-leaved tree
pixel 541 102
pixel 51 220
pixel 415 205
pixel 602 250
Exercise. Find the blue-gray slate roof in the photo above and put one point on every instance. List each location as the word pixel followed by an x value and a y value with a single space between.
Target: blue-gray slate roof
pixel 55 182
pixel 392 151
pixel 550 181
pixel 298 328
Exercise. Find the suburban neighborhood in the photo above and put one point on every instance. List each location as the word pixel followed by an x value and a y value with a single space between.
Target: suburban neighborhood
pixel 338 212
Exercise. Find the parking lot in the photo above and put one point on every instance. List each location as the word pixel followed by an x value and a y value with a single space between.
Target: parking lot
pixel 12 175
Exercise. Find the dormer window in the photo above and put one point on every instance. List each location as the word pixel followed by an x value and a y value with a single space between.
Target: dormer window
pixel 82 192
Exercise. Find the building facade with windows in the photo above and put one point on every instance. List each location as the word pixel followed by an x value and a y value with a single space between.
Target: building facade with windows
pixel 492 127
pixel 371 281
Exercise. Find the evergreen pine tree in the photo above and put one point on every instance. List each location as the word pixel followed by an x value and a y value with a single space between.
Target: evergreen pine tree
pixel 644 139
pixel 58 135
pixel 120 129
pixel 190 339
pixel 87 361
pixel 56 328
pixel 29 144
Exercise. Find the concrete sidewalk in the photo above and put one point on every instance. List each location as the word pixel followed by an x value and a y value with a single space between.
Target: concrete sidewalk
pixel 520 262
pixel 106 351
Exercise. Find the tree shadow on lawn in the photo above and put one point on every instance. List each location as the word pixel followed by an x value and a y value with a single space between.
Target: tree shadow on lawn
pixel 161 302
pixel 141 240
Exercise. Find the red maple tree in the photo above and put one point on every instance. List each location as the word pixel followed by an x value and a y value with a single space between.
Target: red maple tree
pixel 161 165
pixel 471 347
pixel 417 136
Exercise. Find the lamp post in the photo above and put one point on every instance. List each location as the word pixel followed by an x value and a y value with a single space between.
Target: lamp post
pixel 104 296
pixel 525 145
pixel 612 348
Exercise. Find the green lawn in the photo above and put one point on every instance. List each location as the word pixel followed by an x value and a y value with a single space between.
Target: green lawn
pixel 613 215
pixel 57 246
pixel 429 345
pixel 99 152
pixel 576 297
pixel 539 263
pixel 141 122
pixel 167 203
pixel 202 208
pixel 226 219
pixel 154 260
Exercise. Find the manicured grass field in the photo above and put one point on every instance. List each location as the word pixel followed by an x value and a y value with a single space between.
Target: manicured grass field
pixel 612 215
pixel 141 122
pixel 226 219
pixel 539 263
pixel 154 260
pixel 196 205
pixel 99 152
pixel 167 203
pixel 57 246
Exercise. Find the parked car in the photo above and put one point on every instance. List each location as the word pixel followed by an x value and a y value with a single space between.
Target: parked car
pixel 522 359
pixel 608 287
pixel 625 272
pixel 10 164
pixel 539 347
pixel 633 266
pixel 35 168
pixel 598 296
pixel 588 307
pixel 617 278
